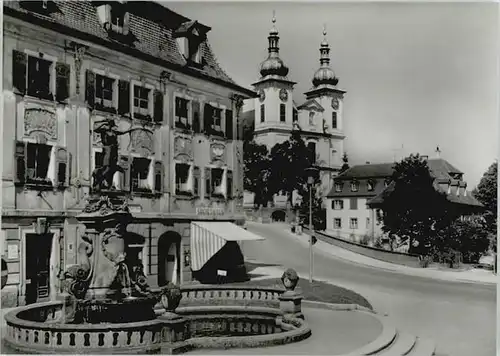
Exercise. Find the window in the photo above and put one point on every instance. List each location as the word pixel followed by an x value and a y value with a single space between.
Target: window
pixel 39 71
pixel 354 186
pixel 370 186
pixel 311 118
pixel 37 164
pixel 38 76
pixel 181 113
pixel 183 179
pixel 217 119
pixel 262 113
pixel 41 165
pixel 311 146
pixel 217 188
pixel 196 117
pixel 142 175
pixel 337 223
pixel 354 203
pixel 295 115
pixel 213 120
pixel 338 187
pixel 337 204
pixel 142 103
pixel 334 120
pixel 104 87
pixel 282 112
pixel 353 223
pixel 367 223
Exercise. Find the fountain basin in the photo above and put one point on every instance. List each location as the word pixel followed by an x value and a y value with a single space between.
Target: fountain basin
pixel 127 310
pixel 242 321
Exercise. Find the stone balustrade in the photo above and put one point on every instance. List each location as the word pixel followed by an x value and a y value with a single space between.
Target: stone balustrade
pixel 208 316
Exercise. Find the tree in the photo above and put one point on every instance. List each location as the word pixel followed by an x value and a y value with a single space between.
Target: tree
pixel 467 236
pixel 318 212
pixel 486 193
pixel 256 171
pixel 288 163
pixel 413 209
pixel 345 166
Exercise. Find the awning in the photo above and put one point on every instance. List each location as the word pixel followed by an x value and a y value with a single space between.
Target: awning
pixel 207 238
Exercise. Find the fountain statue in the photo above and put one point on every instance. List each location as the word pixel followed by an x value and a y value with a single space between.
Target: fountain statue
pixel 105 279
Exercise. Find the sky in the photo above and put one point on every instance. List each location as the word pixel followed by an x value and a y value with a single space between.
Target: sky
pixel 417 75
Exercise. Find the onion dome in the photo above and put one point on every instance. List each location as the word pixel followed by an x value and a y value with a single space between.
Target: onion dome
pixel 324 75
pixel 273 65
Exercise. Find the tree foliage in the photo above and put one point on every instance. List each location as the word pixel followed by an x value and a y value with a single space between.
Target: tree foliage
pixel 467 236
pixel 413 209
pixel 256 171
pixel 288 163
pixel 486 193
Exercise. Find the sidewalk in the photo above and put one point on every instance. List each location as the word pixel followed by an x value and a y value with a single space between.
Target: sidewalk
pixel 473 275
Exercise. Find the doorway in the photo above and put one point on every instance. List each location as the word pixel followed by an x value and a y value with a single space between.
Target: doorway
pixel 169 266
pixel 38 250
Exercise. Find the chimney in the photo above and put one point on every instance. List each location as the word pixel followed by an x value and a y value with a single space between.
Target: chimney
pixel 438 152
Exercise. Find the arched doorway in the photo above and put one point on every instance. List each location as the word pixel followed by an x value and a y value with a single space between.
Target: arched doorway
pixel 169 261
pixel 278 215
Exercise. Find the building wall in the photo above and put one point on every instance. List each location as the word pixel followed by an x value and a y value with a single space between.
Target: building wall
pixel 367 224
pixel 70 125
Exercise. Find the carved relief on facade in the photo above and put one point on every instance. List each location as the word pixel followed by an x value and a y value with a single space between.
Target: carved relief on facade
pixel 217 152
pixel 40 122
pixel 183 148
pixel 142 142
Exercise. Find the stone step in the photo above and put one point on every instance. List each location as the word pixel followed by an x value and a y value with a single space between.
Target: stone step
pixel 423 347
pixel 403 344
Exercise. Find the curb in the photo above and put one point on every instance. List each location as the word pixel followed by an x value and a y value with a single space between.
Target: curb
pixel 387 337
pixel 388 269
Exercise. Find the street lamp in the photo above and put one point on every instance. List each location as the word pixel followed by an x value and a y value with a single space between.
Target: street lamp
pixel 311 174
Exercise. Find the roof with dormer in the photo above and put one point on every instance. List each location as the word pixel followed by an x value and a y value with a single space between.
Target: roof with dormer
pixel 376 174
pixel 151 24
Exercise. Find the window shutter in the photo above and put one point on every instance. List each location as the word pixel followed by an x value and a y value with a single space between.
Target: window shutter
pixel 208 182
pixel 125 165
pixel 158 177
pixel 62 166
pixel 158 106
pixel 197 181
pixel 123 97
pixel 207 118
pixel 62 81
pixel 19 71
pixel 196 117
pixel 333 204
pixel 229 184
pixel 229 124
pixel 90 88
pixel 20 161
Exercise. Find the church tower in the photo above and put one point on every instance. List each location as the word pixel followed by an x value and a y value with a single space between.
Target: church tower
pixel 274 106
pixel 331 98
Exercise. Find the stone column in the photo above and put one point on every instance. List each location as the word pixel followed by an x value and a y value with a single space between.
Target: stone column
pixel 291 300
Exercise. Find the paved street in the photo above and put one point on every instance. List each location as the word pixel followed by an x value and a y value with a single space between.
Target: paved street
pixel 460 317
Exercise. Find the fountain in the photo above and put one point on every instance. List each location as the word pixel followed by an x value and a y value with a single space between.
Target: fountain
pixel 108 307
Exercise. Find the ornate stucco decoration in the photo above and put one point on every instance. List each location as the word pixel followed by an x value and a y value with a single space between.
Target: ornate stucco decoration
pixel 142 142
pixel 217 153
pixel 79 53
pixel 40 123
pixel 183 148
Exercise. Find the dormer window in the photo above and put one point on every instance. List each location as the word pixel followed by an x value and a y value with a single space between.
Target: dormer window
pixel 114 18
pixel 338 187
pixel 370 186
pixel 190 35
pixel 354 186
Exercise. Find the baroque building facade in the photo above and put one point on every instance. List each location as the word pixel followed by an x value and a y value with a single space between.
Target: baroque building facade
pixel 274 114
pixel 67 67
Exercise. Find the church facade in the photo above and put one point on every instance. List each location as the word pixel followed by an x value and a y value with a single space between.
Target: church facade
pixel 319 118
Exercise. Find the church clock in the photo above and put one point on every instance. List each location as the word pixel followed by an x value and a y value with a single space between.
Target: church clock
pixel 283 95
pixel 262 95
pixel 335 103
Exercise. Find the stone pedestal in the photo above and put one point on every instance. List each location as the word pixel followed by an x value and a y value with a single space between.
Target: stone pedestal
pixel 174 333
pixel 291 304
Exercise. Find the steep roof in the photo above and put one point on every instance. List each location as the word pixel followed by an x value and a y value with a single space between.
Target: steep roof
pixel 152 24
